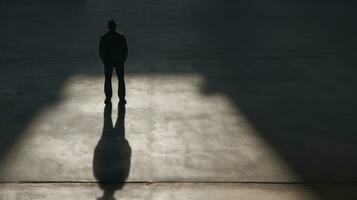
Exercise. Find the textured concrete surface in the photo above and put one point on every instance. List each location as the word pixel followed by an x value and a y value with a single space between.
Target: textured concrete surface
pixel 218 91
pixel 175 191
pixel 175 133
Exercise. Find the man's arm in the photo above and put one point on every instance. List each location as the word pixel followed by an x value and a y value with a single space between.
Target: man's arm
pixel 125 49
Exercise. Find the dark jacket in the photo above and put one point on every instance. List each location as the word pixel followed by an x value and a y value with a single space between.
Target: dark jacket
pixel 113 48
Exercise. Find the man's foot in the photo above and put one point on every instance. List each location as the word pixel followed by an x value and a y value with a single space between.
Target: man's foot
pixel 122 101
pixel 107 101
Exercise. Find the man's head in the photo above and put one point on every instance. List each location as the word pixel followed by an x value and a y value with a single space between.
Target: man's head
pixel 111 25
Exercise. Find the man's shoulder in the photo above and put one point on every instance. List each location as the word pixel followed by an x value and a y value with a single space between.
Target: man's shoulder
pixel 120 35
pixel 111 35
pixel 105 35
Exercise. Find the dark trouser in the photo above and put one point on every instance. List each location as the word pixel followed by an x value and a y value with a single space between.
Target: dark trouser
pixel 119 68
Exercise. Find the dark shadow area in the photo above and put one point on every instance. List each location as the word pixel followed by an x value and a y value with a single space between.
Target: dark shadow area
pixel 301 107
pixel 111 161
pixel 291 71
pixel 34 63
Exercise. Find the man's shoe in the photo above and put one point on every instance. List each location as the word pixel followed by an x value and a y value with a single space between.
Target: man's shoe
pixel 122 101
pixel 108 101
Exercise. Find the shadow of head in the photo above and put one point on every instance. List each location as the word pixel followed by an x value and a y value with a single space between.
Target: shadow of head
pixel 111 162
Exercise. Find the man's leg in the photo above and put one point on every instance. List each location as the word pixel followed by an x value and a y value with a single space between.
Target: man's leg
pixel 108 70
pixel 121 89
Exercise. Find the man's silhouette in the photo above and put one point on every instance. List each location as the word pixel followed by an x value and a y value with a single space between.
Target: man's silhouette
pixel 113 51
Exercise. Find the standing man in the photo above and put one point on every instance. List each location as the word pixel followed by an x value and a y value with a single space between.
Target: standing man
pixel 113 51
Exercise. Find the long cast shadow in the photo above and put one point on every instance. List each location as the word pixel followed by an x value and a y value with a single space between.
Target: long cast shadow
pixel 111 162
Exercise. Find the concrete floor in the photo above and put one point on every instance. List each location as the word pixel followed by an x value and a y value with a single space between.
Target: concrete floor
pixel 232 100
pixel 176 191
